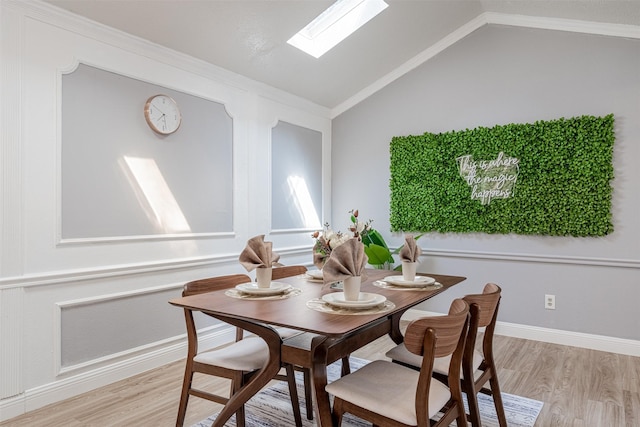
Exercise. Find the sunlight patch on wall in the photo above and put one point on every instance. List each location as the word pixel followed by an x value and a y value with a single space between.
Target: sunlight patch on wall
pixel 301 199
pixel 154 195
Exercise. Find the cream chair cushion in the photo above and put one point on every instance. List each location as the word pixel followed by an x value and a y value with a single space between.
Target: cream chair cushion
pixel 248 354
pixel 388 389
pixel 440 364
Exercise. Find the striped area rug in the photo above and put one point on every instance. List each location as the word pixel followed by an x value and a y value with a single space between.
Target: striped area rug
pixel 272 407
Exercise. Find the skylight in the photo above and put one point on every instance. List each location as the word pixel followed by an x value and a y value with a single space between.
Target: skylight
pixel 335 24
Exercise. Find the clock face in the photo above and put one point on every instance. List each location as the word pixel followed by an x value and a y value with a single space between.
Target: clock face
pixel 162 114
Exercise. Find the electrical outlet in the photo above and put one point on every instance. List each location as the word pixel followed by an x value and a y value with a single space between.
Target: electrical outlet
pixel 550 302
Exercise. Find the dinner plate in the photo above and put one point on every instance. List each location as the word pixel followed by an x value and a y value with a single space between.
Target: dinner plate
pixel 315 274
pixel 253 289
pixel 366 300
pixel 419 282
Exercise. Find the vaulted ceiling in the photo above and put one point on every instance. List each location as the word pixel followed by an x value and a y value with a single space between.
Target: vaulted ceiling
pixel 249 37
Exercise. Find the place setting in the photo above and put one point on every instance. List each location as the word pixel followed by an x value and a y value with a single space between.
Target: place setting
pixel 409 255
pixel 314 276
pixel 346 265
pixel 259 256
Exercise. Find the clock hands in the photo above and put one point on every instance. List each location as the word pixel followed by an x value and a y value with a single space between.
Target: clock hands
pixel 156 107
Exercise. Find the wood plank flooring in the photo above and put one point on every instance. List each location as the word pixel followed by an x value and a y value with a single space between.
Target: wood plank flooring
pixel 579 388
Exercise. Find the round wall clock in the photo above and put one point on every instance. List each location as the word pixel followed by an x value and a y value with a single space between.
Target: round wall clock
pixel 162 114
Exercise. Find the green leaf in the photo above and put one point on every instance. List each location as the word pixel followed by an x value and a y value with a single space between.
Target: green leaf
pixel 373 237
pixel 378 255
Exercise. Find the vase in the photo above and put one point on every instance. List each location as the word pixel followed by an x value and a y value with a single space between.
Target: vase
pixel 351 287
pixel 263 277
pixel 409 270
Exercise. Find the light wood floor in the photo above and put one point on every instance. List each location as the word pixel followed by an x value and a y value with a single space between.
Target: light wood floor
pixel 579 388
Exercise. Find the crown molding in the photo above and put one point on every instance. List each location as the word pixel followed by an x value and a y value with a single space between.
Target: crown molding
pixel 55 16
pixel 561 24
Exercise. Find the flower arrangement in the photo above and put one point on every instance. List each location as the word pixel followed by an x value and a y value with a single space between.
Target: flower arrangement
pixel 375 247
pixel 326 241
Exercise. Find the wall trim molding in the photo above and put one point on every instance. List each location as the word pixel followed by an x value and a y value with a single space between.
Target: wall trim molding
pixel 523 257
pixel 71 386
pixel 554 336
pixel 499 256
pixel 486 18
pixel 68 276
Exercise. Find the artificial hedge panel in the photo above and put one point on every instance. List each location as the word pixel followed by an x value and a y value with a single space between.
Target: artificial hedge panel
pixel 562 171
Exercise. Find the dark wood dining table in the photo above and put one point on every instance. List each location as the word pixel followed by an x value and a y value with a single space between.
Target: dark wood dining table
pixel 325 336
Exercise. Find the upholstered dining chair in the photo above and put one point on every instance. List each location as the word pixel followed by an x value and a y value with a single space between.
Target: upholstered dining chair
pixel 389 394
pixel 236 362
pixel 279 273
pixel 478 367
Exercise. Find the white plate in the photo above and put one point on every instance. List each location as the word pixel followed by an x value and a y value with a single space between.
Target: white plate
pixel 253 289
pixel 315 274
pixel 419 282
pixel 366 300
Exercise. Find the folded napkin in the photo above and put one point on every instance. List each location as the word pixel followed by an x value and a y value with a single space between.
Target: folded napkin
pixel 319 259
pixel 258 253
pixel 410 251
pixel 346 260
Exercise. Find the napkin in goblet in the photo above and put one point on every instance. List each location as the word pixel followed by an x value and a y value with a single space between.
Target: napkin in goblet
pixel 258 254
pixel 346 260
pixel 410 252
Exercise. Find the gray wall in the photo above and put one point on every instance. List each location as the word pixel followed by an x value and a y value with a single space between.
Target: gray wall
pixel 103 128
pixel 501 75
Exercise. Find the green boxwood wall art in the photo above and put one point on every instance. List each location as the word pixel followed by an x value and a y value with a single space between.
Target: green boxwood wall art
pixel 547 178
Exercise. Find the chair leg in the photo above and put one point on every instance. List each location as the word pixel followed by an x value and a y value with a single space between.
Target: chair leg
pixel 293 393
pixel 306 374
pixel 461 419
pixel 474 411
pixel 337 412
pixel 236 384
pixel 497 398
pixel 469 389
pixel 346 368
pixel 184 396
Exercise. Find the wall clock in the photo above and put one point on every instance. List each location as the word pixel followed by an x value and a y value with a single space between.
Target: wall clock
pixel 162 114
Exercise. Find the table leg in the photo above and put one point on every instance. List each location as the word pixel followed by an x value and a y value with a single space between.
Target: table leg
pixel 319 348
pixel 395 334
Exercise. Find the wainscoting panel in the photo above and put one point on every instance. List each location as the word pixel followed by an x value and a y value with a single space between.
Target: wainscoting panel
pixel 97 327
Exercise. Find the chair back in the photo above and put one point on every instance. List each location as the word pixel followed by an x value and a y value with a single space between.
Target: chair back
pixel 287 271
pixel 484 313
pixel 439 336
pixel 214 284
pixel 202 286
pixel 487 301
pixel 447 330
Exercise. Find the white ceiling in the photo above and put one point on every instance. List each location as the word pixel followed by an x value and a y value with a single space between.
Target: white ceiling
pixel 249 37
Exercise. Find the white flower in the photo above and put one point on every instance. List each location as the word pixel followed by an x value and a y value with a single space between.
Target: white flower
pixel 337 239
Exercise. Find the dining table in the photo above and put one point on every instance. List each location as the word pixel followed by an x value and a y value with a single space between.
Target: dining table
pixel 327 332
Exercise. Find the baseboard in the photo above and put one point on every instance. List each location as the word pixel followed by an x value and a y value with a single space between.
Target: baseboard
pixel 554 336
pixel 66 388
